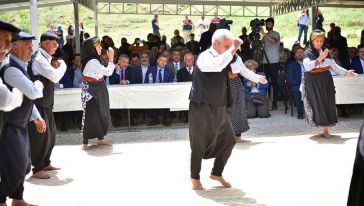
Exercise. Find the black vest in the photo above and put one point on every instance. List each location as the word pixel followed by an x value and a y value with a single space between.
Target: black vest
pixel 48 91
pixel 212 87
pixel 21 115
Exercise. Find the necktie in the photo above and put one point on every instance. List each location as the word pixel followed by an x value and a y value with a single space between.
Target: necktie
pixel 122 74
pixel 160 75
pixel 190 70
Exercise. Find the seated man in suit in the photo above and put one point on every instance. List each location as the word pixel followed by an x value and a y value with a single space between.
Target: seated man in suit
pixel 161 74
pixel 295 71
pixel 176 63
pixel 185 75
pixel 358 63
pixel 121 75
pixel 139 77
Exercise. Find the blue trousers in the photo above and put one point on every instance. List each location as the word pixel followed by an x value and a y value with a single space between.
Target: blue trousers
pixel 14 162
pixel 295 90
pixel 304 29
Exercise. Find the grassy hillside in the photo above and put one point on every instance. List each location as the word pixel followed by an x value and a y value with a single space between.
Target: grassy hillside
pixel 130 26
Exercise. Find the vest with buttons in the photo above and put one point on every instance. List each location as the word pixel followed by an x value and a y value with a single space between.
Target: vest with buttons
pixel 20 116
pixel 211 87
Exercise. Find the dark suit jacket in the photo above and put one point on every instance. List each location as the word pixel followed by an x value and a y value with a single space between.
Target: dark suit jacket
pixel 137 76
pixel 183 75
pixel 357 66
pixel 66 80
pixel 115 78
pixel 167 77
pixel 170 65
pixel 294 75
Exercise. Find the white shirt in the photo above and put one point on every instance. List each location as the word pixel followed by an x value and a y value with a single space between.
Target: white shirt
pixel 42 66
pixel 304 19
pixel 189 69
pixel 144 72
pixel 204 22
pixel 9 100
pixel 96 70
pixel 311 64
pixel 15 78
pixel 211 61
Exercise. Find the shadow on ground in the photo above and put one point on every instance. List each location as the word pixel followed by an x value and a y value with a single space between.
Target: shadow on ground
pixel 228 196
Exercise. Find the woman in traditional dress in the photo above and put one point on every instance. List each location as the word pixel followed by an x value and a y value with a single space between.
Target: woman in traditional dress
pixel 95 97
pixel 238 113
pixel 318 91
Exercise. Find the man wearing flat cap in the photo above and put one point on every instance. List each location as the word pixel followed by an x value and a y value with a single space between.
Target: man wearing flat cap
pixel 42 144
pixel 15 158
pixel 9 100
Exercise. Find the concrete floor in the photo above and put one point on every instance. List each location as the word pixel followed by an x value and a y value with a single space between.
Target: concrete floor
pixel 281 163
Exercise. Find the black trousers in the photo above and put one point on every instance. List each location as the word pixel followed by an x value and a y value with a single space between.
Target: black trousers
pixel 41 145
pixel 14 162
pixel 271 72
pixel 211 136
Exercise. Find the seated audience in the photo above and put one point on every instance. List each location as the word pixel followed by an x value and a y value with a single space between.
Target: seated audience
pixel 295 72
pixel 257 103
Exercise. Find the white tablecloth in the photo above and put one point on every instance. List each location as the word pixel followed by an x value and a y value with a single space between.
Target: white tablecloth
pixel 349 90
pixel 144 96
pixel 175 95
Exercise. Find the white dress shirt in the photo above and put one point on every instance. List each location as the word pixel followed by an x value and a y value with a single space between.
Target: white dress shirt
pixel 9 100
pixel 96 70
pixel 15 78
pixel 42 66
pixel 211 61
pixel 144 72
pixel 311 64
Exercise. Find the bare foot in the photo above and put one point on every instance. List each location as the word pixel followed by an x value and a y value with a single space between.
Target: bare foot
pixel 196 184
pixel 41 175
pixel 21 203
pixel 325 132
pixel 238 139
pixel 84 146
pixel 221 180
pixel 103 142
pixel 50 167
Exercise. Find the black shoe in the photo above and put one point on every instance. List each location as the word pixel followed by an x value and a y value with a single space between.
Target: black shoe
pixel 300 116
pixel 274 106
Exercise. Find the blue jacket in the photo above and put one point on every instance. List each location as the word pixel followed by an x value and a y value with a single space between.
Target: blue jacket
pixel 294 73
pixel 67 80
pixel 356 65
pixel 261 87
pixel 167 77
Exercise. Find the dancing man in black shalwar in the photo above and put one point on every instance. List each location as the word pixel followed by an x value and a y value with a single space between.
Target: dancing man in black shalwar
pixel 356 192
pixel 211 134
pixel 14 141
pixel 42 144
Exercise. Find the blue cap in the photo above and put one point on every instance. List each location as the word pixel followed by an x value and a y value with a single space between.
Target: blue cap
pixel 22 36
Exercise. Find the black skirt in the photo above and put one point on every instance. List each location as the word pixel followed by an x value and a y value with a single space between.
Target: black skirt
pixel 96 114
pixel 320 105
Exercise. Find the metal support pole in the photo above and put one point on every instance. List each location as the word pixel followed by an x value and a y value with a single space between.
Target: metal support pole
pixel 314 16
pixel 96 19
pixel 34 22
pixel 77 26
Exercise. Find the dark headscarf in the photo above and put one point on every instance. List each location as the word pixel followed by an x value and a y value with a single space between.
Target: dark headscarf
pixel 88 50
pixel 311 52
